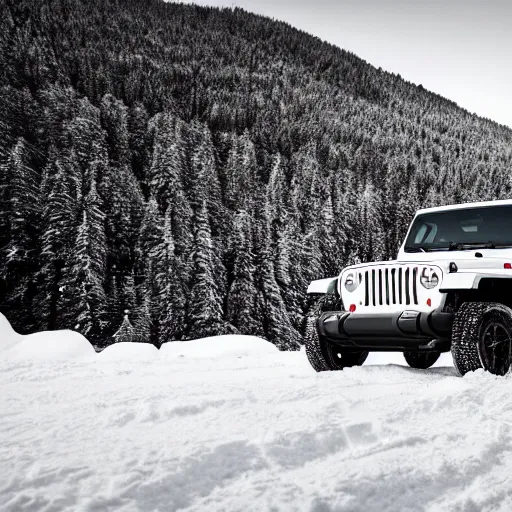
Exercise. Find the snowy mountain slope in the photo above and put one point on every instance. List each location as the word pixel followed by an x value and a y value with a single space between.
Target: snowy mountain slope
pixel 254 432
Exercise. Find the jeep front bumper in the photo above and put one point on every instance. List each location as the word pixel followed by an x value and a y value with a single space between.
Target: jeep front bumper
pixel 402 331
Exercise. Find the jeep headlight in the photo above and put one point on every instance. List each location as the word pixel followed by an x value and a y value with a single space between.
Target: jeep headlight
pixel 429 279
pixel 352 281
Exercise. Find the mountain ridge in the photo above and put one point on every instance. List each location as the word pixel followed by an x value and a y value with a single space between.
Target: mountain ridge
pixel 379 69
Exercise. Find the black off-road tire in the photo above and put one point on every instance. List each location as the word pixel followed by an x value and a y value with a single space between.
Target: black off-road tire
pixel 317 358
pixel 421 360
pixel 324 355
pixel 468 332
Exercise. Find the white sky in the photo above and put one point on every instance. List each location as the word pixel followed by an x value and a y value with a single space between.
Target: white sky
pixel 460 49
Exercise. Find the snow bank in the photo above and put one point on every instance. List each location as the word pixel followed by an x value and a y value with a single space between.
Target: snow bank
pixel 126 351
pixel 8 336
pixel 48 346
pixel 61 345
pixel 218 347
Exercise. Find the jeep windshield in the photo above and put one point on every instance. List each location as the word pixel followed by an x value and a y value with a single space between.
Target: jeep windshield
pixel 487 227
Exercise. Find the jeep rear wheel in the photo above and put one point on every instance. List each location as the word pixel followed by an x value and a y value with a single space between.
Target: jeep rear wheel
pixel 324 355
pixel 482 337
pixel 421 360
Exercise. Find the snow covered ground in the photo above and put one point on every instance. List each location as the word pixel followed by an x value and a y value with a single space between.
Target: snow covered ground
pixel 231 424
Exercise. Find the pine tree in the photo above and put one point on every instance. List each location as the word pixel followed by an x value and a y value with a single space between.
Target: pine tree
pixel 291 271
pixel 19 213
pixel 286 247
pixel 205 309
pixel 143 323
pixel 83 297
pixel 206 193
pixel 59 191
pixel 241 300
pixel 20 217
pixel 205 184
pixel 126 332
pixel 270 303
pixel 85 137
pixel 149 239
pixel 170 284
pixel 277 325
pixel 166 170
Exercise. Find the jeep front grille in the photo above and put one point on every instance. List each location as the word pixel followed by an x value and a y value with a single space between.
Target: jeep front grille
pixel 391 285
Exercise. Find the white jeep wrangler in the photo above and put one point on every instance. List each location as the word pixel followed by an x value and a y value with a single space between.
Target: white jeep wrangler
pixel 450 288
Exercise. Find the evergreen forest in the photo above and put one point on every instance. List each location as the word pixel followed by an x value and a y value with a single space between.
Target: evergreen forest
pixel 198 167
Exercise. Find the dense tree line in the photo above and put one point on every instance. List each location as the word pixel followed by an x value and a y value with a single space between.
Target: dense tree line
pixel 198 167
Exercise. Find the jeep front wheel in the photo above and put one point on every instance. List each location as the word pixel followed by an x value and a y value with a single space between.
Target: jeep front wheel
pixel 482 338
pixel 324 355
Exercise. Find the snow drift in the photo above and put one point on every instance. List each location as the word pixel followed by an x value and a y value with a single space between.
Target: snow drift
pixel 218 347
pixel 125 351
pixel 60 345
pixel 45 346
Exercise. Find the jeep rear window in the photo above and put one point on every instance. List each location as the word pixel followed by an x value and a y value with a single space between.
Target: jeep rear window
pixel 489 226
